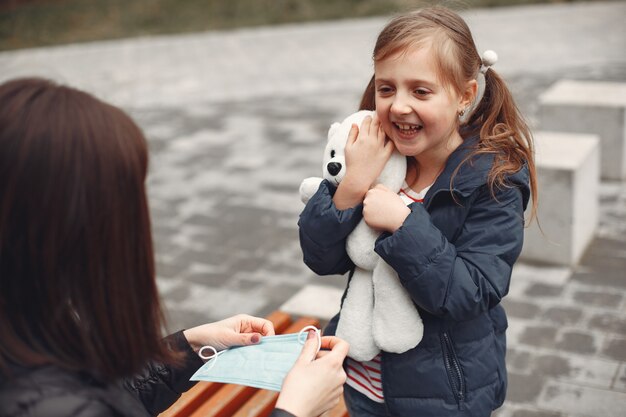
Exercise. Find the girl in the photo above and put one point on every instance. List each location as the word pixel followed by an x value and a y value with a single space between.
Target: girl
pixel 80 317
pixel 469 178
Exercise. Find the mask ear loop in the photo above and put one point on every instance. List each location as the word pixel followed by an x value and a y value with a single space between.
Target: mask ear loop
pixel 214 354
pixel 317 333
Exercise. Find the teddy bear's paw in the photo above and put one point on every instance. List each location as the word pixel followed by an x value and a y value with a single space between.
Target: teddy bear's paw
pixel 361 353
pixel 396 323
pixel 394 172
pixel 308 187
pixel 355 320
pixel 360 337
pixel 360 246
pixel 391 337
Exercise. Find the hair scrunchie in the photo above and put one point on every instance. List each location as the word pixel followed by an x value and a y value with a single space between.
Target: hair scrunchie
pixel 489 58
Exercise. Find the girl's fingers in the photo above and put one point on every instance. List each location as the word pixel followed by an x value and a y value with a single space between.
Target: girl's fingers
pixel 381 133
pixel 389 147
pixel 375 127
pixel 354 133
pixel 365 125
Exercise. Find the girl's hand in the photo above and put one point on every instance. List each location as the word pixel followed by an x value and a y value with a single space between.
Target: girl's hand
pixel 239 330
pixel 384 210
pixel 315 383
pixel 367 151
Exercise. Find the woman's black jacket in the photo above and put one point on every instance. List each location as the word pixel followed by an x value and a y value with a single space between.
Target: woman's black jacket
pixel 54 392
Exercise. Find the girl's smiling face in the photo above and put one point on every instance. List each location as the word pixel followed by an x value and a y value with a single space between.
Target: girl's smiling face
pixel 417 111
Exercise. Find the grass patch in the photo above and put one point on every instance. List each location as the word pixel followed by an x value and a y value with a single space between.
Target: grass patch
pixel 30 23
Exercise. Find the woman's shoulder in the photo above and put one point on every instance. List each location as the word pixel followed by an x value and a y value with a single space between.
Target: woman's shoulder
pixel 50 391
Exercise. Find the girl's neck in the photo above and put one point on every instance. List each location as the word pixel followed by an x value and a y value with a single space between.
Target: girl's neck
pixel 423 170
pixel 419 176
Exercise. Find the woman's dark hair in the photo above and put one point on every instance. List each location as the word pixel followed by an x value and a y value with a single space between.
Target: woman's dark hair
pixel 77 275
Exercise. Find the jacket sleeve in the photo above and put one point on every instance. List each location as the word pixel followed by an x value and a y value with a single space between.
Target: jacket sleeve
pixel 158 385
pixel 459 280
pixel 280 413
pixel 323 232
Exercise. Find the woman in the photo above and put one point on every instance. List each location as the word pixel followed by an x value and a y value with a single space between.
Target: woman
pixel 80 316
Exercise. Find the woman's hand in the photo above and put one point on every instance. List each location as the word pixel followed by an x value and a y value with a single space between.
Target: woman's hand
pixel 367 151
pixel 315 383
pixel 384 210
pixel 239 330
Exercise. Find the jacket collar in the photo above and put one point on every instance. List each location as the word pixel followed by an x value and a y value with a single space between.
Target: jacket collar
pixel 472 172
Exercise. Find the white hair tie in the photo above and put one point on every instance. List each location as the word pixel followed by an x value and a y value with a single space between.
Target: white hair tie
pixel 489 58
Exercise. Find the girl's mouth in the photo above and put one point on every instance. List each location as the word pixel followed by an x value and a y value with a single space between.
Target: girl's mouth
pixel 408 129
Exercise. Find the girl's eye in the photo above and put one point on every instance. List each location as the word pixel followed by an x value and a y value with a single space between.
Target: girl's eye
pixel 422 92
pixel 384 90
pixel 332 153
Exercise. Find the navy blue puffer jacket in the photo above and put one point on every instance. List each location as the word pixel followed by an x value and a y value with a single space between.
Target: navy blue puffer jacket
pixel 454 256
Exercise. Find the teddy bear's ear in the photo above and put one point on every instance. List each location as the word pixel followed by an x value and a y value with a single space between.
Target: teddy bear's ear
pixel 333 129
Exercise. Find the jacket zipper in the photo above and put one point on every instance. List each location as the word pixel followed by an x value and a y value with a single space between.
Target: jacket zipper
pixel 455 374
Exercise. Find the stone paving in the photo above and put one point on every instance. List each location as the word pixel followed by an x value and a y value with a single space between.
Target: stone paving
pixel 236 119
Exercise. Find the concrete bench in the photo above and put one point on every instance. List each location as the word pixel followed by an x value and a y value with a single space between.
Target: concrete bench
pixel 590 107
pixel 568 183
pixel 211 399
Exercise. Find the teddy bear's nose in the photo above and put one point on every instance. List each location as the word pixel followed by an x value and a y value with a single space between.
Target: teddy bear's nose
pixel 333 168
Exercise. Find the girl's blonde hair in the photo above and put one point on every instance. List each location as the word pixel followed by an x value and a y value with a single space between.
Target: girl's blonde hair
pixel 502 129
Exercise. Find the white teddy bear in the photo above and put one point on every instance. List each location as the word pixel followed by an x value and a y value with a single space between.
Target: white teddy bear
pixel 377 312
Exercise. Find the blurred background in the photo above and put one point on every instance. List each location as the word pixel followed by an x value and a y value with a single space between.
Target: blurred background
pixel 28 23
pixel 235 98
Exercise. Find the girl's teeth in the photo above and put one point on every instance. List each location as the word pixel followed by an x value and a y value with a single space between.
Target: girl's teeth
pixel 407 127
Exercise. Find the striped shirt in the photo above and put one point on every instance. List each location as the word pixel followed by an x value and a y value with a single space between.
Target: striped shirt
pixel 365 377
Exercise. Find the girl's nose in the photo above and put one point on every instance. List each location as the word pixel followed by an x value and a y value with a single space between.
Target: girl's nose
pixel 400 105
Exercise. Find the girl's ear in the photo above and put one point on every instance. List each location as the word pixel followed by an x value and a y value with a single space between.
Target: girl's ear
pixel 469 95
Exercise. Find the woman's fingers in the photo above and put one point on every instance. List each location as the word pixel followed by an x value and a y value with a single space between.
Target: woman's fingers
pixel 314 386
pixel 251 324
pixel 336 347
pixel 309 350
pixel 330 342
pixel 246 339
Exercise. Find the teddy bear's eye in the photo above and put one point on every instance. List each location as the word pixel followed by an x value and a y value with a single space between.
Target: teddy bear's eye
pixel 332 153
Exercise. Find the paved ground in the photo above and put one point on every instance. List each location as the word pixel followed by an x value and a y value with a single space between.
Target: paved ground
pixel 236 119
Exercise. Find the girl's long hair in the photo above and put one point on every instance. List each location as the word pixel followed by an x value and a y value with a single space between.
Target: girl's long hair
pixel 77 274
pixel 497 119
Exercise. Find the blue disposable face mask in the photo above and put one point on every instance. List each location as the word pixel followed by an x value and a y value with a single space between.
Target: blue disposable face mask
pixel 263 365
